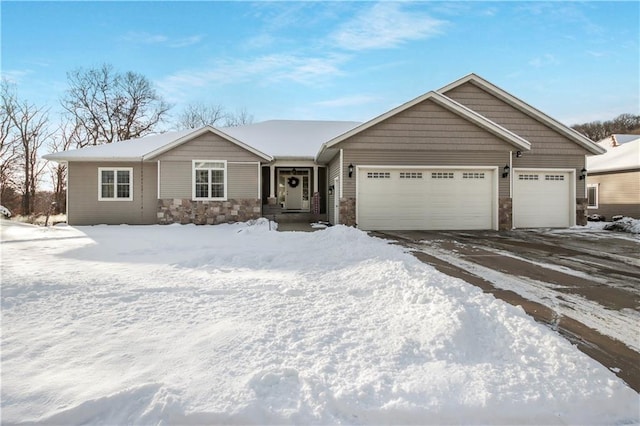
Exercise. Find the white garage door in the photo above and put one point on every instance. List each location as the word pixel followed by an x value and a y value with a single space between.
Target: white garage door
pixel 542 199
pixel 403 199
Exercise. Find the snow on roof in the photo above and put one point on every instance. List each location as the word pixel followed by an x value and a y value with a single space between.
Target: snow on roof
pixel 620 139
pixel 280 138
pixel 621 157
pixel 289 138
pixel 127 150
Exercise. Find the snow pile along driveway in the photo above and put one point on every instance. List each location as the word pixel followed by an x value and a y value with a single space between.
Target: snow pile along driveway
pixel 238 324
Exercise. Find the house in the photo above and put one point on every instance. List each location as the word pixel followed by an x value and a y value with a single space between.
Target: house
pixel 613 183
pixel 467 156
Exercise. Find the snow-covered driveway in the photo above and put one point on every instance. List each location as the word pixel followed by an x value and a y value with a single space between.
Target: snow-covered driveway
pixel 238 324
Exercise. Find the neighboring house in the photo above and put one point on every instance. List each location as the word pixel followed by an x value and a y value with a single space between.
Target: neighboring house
pixel 468 156
pixel 613 183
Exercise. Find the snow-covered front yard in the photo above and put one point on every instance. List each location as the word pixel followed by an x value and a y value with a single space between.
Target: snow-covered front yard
pixel 238 324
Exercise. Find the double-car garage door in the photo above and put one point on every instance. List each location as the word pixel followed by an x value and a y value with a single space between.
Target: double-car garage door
pixel 459 198
pixel 439 199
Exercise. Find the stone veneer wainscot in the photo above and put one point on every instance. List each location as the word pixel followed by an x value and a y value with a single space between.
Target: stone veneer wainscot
pixel 184 210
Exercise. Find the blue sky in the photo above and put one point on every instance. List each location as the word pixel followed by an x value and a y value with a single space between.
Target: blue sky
pixel 576 61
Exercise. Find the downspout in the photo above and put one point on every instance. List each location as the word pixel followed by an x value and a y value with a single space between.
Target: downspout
pixel 340 174
pixel 141 191
pixel 66 201
pixel 511 174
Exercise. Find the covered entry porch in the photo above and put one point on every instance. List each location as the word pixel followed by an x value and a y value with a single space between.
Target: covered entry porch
pixel 294 191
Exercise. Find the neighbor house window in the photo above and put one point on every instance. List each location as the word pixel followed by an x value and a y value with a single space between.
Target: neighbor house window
pixel 115 183
pixel 209 180
pixel 592 196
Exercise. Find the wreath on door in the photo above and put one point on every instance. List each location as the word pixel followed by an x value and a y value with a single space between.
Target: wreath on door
pixel 293 181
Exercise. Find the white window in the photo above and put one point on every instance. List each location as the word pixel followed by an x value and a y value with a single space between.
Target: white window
pixel 115 183
pixel 592 196
pixel 553 177
pixel 527 177
pixel 410 175
pixel 209 180
pixel 473 175
pixel 378 175
pixel 442 175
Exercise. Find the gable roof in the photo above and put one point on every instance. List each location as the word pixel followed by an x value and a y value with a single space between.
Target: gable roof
pixel 625 156
pixel 538 115
pixel 289 139
pixel 327 149
pixel 145 148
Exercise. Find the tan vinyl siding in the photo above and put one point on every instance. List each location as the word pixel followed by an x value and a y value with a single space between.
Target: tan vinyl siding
pixel 543 139
pixel 243 181
pixel 425 126
pixel 208 146
pixel 85 209
pixel 176 179
pixel 618 193
pixel 426 159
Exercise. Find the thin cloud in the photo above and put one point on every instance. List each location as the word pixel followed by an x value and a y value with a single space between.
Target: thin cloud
pixel 15 76
pixel 186 41
pixel 386 25
pixel 347 101
pixel 144 38
pixel 275 68
pixel 543 61
pixel 148 38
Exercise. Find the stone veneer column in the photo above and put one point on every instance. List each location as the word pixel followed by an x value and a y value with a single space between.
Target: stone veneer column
pixel 348 211
pixel 505 214
pixel 581 211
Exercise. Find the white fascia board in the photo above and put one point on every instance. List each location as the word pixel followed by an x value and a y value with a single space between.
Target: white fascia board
pixel 614 169
pixel 199 132
pixel 279 162
pixel 62 159
pixel 570 133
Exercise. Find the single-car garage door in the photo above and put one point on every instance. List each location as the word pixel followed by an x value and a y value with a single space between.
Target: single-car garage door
pixel 425 199
pixel 542 199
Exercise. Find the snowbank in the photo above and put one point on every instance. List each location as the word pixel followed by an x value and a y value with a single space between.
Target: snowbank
pixel 237 324
pixel 626 224
pixel 5 212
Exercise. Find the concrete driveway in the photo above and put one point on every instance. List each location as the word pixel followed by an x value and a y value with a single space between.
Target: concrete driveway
pixel 584 284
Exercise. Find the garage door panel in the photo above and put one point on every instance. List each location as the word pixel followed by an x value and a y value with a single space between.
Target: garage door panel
pixel 542 199
pixel 425 199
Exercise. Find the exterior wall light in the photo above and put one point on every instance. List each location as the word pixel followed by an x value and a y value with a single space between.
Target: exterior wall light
pixel 350 170
pixel 331 189
pixel 583 173
pixel 505 171
pixel 518 154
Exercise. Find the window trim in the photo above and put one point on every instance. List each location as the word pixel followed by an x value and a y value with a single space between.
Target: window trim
pixel 115 171
pixel 193 180
pixel 596 186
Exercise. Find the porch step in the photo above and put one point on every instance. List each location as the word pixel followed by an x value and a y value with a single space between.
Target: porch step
pixel 296 217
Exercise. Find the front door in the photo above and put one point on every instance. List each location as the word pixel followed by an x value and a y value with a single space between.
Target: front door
pixel 293 192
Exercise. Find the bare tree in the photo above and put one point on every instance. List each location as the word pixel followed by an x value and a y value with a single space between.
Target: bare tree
pixel 598 130
pixel 30 128
pixel 110 106
pixel 8 145
pixel 69 135
pixel 240 118
pixel 198 114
